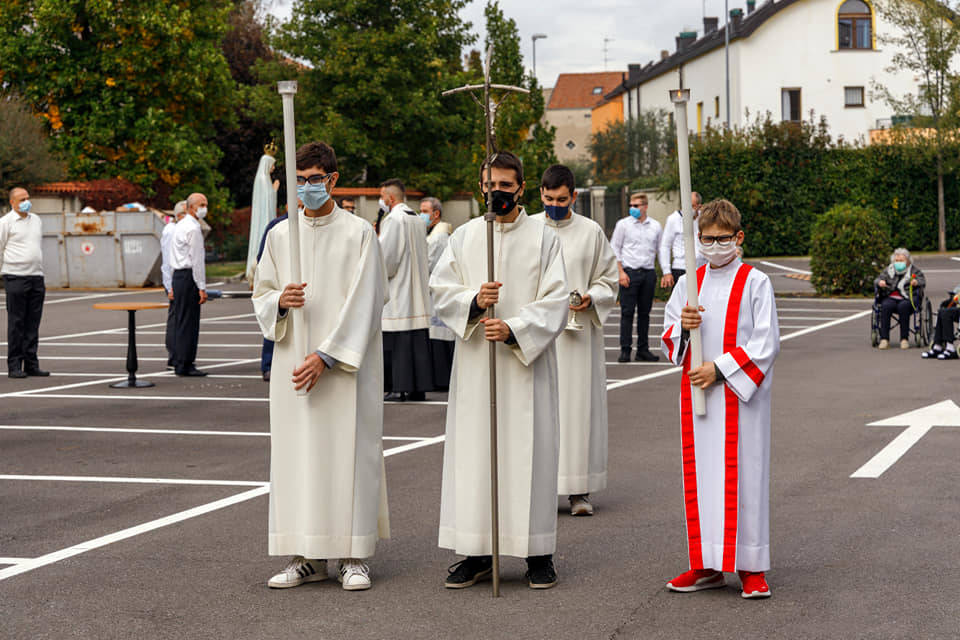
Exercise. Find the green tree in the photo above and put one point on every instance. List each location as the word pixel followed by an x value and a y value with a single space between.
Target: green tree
pixel 371 86
pixel 25 157
pixel 519 127
pixel 126 89
pixel 926 43
pixel 639 150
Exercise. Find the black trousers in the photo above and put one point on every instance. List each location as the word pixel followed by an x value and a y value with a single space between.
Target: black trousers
pixel 186 312
pixel 638 297
pixel 171 332
pixel 407 361
pixel 903 308
pixel 676 274
pixel 946 317
pixel 25 296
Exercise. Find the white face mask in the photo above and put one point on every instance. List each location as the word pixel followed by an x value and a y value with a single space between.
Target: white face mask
pixel 202 213
pixel 719 255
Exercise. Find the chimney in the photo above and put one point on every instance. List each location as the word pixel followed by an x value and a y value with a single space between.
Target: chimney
pixel 664 54
pixel 736 15
pixel 751 6
pixel 685 39
pixel 710 25
pixel 633 72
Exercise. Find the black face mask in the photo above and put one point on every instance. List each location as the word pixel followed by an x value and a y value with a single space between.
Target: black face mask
pixel 503 201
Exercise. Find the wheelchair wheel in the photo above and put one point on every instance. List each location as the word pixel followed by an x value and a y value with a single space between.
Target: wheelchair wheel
pixel 926 324
pixel 874 338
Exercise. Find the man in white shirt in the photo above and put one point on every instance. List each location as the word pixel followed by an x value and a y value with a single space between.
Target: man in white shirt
pixel 21 263
pixel 442 339
pixel 166 273
pixel 635 242
pixel 408 369
pixel 189 285
pixel 672 242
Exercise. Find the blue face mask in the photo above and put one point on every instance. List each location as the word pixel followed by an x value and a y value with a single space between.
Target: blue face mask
pixel 24 206
pixel 556 213
pixel 313 196
pixel 636 212
pixel 899 267
pixel 426 218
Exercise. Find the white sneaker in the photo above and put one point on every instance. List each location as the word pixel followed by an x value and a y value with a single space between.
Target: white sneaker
pixel 904 344
pixel 299 570
pixel 884 344
pixel 580 505
pixel 354 575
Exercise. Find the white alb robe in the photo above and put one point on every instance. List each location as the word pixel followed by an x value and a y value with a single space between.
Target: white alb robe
pixel 327 483
pixel 726 454
pixel 534 303
pixel 437 242
pixel 403 238
pixel 591 268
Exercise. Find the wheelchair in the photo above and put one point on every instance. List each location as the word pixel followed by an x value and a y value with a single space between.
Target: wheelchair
pixel 921 321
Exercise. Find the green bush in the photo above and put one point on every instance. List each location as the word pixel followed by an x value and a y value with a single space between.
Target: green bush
pixel 848 248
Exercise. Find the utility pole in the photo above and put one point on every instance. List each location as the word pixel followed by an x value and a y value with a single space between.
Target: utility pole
pixel 606 40
pixel 534 38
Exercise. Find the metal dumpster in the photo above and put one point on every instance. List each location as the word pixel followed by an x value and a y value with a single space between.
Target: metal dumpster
pixel 102 249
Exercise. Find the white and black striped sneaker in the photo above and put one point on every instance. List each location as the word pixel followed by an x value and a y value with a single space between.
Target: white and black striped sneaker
pixel 299 570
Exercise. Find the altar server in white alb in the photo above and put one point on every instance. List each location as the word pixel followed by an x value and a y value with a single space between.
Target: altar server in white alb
pixel 591 268
pixel 531 297
pixel 442 339
pixel 726 453
pixel 671 253
pixel 327 483
pixel 408 368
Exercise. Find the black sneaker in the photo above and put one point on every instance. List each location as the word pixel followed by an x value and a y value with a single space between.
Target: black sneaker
pixel 948 354
pixel 644 355
pixel 16 373
pixel 469 572
pixel 624 355
pixel 931 354
pixel 37 372
pixel 540 572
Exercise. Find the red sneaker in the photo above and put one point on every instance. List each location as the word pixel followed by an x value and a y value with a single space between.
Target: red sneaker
pixel 697 580
pixel 754 585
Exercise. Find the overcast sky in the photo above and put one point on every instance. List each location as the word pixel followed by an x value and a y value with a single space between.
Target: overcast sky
pixel 576 29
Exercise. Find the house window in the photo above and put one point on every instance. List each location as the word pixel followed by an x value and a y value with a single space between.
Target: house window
pixel 716 107
pixel 853 96
pixel 855 25
pixel 597 91
pixel 790 99
pixel 570 145
pixel 699 118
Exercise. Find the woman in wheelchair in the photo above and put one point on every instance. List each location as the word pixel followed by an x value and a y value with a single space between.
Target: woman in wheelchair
pixel 943 334
pixel 899 289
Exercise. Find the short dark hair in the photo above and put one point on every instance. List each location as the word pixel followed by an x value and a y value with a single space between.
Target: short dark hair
pixel 556 176
pixel 503 160
pixel 317 154
pixel 396 183
pixel 346 198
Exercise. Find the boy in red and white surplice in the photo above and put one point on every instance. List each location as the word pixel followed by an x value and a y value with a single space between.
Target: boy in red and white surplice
pixel 726 453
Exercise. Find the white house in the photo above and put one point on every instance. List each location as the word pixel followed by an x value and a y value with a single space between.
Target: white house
pixel 787 57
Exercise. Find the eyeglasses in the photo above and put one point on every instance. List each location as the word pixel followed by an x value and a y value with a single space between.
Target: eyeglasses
pixel 315 179
pixel 723 241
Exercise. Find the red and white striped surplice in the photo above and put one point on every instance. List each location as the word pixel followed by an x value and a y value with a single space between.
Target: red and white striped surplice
pixel 726 453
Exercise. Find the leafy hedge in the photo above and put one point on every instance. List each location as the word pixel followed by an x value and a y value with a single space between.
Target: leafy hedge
pixel 848 248
pixel 783 175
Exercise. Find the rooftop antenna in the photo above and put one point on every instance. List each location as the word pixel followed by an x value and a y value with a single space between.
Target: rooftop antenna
pixel 606 49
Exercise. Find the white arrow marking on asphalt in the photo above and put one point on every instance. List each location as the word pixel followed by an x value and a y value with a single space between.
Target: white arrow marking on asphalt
pixel 918 423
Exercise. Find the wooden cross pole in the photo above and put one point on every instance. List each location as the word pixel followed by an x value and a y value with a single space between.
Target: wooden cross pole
pixel 489 106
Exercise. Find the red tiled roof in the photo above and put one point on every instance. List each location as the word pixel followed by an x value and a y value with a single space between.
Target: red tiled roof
pixel 578 90
pixel 78 187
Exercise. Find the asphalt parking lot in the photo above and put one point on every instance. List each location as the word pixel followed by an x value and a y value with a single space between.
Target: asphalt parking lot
pixel 143 513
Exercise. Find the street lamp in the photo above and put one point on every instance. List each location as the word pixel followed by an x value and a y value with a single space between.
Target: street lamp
pixel 535 37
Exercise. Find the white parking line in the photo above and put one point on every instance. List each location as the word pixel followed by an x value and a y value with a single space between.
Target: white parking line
pixel 176 432
pixel 118 480
pixel 103 295
pixel 152 345
pixel 102 541
pixel 785 268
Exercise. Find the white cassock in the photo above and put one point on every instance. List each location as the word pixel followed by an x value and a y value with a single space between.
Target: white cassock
pixel 726 454
pixel 328 494
pixel 437 242
pixel 403 238
pixel 534 303
pixel 591 268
